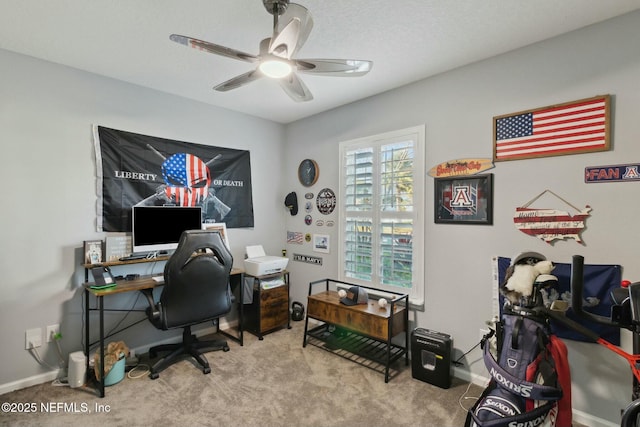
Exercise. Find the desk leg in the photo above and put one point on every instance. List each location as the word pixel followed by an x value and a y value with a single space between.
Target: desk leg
pixel 306 326
pixel 406 334
pixel 240 337
pixel 101 370
pixel 86 330
pixel 241 311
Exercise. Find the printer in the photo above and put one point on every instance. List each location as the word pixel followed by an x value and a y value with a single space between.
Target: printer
pixel 258 263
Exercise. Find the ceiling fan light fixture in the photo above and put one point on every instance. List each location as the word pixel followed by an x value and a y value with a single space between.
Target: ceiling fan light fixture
pixel 275 68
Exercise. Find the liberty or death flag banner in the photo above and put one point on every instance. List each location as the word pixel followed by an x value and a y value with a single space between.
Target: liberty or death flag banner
pixel 141 170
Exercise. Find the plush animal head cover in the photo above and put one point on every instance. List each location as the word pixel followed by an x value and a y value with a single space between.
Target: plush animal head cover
pixel 522 274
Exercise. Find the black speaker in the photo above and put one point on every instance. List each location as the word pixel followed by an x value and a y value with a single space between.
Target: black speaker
pixel 431 357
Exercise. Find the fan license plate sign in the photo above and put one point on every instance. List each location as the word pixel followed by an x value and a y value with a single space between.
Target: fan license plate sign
pixel 612 173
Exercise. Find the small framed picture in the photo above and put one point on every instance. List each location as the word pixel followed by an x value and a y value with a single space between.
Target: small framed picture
pixel 92 251
pixel 464 200
pixel 220 227
pixel 321 243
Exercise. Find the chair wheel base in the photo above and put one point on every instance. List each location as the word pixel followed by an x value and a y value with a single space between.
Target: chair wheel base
pixel 206 370
pixel 154 375
pixel 225 348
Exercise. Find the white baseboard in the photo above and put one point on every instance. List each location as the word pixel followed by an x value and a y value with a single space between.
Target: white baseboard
pixel 28 382
pixel 52 375
pixel 590 420
pixel 476 379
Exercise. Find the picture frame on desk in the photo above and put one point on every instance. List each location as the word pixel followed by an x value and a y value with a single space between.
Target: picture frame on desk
pixel 93 251
pixel 116 246
pixel 220 227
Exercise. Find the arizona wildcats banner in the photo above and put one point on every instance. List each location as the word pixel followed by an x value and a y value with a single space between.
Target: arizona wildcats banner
pixel 140 170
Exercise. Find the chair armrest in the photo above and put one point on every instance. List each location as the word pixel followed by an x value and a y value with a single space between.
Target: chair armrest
pixel 152 311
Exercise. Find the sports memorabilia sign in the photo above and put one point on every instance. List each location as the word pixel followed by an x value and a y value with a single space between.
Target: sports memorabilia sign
pixel 612 173
pixel 551 224
pixel 326 201
pixel 460 167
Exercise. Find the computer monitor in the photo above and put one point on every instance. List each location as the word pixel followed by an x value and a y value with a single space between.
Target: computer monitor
pixel 158 228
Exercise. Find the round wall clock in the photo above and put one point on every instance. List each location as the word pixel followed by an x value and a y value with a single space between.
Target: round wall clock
pixel 308 172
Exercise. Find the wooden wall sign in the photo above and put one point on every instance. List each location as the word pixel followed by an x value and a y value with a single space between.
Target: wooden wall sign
pixel 612 173
pixel 460 167
pixel 551 224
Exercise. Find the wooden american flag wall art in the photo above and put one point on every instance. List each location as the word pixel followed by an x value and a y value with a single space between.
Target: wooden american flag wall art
pixel 581 126
pixel 551 224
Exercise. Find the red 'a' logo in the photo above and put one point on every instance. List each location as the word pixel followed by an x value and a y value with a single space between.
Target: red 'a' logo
pixel 461 197
pixel 631 173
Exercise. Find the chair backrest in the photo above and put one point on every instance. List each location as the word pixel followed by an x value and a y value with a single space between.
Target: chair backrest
pixel 196 280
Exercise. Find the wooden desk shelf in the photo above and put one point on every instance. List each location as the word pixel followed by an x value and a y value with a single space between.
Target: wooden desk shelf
pixel 359 331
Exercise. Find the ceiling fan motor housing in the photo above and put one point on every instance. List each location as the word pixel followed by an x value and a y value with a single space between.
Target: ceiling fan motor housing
pixel 275 5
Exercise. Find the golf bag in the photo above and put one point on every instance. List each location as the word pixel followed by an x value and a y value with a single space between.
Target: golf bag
pixel 530 380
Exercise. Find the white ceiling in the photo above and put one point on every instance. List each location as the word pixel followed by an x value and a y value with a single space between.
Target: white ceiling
pixel 407 40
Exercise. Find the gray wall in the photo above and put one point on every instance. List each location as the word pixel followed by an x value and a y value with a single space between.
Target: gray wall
pixel 46 113
pixel 457 108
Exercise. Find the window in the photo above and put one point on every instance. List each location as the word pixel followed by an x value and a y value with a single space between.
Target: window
pixel 382 212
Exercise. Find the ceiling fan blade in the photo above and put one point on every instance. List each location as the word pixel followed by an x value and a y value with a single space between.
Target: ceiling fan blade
pixel 285 41
pixel 334 67
pixel 291 31
pixel 213 48
pixel 238 81
pixel 295 88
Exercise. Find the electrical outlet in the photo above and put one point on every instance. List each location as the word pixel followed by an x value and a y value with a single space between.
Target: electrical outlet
pixel 32 338
pixel 482 333
pixel 52 330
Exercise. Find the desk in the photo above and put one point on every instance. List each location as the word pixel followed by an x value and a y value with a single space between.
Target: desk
pixel 141 284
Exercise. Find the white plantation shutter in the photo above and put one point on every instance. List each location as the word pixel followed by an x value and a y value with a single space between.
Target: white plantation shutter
pixel 381 216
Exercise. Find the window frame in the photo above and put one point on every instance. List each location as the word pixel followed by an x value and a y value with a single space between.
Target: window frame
pixel 417 135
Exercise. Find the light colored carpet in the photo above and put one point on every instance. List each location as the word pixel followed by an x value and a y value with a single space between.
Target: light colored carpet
pixel 274 382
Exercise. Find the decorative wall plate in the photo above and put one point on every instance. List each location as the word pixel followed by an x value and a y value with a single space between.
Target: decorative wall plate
pixel 326 201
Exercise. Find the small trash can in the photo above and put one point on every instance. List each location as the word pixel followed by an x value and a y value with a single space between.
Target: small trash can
pixel 431 357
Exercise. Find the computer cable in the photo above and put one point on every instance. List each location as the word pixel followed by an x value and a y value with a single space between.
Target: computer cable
pixel 145 371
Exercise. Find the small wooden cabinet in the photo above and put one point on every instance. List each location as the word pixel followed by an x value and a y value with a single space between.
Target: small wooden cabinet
pixel 269 309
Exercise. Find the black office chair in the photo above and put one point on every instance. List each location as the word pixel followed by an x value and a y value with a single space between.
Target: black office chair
pixel 196 290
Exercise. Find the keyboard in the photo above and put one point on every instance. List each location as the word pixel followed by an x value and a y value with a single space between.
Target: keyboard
pixel 158 279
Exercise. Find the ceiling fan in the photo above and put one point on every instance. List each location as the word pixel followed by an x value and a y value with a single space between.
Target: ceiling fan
pixel 292 24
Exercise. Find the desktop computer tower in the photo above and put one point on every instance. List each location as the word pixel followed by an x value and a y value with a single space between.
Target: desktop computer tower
pixel 431 357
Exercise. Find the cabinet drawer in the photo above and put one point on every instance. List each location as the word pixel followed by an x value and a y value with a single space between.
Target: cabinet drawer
pixel 274 318
pixel 274 307
pixel 274 296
